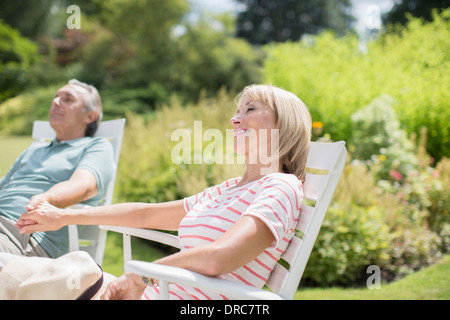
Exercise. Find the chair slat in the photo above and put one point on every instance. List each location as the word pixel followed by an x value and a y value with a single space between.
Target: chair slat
pixel 306 213
pixel 314 185
pixel 290 254
pixel 323 155
pixel 42 130
pixel 276 279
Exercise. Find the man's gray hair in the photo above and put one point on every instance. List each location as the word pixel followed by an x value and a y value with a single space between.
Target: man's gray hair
pixel 92 101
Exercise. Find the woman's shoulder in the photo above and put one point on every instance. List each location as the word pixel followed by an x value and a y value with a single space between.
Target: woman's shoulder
pixel 279 177
pixel 285 183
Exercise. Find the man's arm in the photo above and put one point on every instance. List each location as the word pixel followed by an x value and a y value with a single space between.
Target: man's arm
pixel 81 186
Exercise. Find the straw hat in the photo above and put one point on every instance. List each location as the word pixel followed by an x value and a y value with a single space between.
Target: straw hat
pixel 69 277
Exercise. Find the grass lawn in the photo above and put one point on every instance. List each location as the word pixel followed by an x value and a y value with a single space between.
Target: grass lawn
pixel 113 258
pixel 12 147
pixel 431 283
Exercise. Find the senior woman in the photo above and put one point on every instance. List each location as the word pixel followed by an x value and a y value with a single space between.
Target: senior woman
pixel 236 230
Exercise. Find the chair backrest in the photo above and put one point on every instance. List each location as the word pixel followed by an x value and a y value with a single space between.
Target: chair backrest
pixel 324 167
pixel 87 238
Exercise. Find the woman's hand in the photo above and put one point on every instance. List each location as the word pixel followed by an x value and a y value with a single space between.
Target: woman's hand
pixel 42 217
pixel 129 286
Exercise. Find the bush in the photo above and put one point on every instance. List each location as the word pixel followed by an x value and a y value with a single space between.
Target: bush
pixel 379 140
pixel 349 241
pixel 401 226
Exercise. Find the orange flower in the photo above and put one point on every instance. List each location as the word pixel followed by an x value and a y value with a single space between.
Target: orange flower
pixel 317 125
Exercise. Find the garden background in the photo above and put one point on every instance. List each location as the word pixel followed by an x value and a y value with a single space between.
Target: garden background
pixel 165 64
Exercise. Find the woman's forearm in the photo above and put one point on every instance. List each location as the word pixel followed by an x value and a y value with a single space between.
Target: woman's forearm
pixel 165 216
pixel 45 217
pixel 123 214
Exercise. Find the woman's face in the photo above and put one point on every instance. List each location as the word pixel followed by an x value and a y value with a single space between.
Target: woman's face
pixel 252 125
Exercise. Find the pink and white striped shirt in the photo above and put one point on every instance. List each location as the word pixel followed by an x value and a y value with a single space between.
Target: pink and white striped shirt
pixel 274 199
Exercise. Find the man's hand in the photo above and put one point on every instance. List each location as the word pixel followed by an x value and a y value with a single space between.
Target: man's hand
pixel 35 201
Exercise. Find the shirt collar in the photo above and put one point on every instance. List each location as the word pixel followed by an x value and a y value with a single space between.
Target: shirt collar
pixel 71 143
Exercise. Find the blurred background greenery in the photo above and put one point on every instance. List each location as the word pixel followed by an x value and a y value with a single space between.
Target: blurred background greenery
pixel 382 86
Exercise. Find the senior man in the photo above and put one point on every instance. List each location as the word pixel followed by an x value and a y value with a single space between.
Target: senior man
pixel 73 168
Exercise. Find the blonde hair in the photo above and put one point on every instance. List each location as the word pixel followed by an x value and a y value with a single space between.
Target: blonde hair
pixel 293 121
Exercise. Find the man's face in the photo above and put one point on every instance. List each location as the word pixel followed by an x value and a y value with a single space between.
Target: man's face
pixel 66 113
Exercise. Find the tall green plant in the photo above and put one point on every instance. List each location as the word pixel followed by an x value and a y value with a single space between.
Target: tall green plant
pixel 335 78
pixel 147 171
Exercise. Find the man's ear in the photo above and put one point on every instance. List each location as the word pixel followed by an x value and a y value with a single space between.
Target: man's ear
pixel 90 116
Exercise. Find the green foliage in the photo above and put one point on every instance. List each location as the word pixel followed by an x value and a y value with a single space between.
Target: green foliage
pixel 200 57
pixel 139 45
pixel 30 18
pixel 211 59
pixel 17 54
pixel 335 78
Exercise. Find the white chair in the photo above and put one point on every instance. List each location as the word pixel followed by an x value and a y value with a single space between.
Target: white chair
pixel 89 238
pixel 324 167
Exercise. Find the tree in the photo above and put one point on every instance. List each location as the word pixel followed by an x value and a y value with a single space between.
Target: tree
pixel 17 54
pixel 134 46
pixel 416 8
pixel 209 58
pixel 30 18
pixel 266 21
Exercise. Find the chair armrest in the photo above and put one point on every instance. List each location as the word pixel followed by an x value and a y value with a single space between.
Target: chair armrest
pixel 73 230
pixel 148 234
pixel 169 274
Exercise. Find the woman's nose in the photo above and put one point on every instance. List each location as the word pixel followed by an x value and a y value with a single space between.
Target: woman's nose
pixel 235 120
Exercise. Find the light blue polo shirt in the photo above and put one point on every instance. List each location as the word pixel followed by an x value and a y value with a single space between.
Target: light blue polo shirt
pixel 41 166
